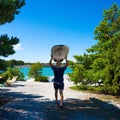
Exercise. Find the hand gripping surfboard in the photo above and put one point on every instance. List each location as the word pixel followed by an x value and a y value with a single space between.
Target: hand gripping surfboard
pixel 59 52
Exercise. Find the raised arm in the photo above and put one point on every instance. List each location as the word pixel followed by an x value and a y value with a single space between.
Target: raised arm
pixel 66 62
pixel 50 62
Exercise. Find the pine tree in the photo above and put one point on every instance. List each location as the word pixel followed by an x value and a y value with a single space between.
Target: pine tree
pixel 103 60
pixel 8 10
pixel 6 45
pixel 107 34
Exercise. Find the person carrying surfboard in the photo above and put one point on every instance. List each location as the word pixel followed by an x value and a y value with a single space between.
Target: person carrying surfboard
pixel 58 78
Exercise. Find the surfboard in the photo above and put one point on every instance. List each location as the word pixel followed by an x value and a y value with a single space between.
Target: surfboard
pixel 59 52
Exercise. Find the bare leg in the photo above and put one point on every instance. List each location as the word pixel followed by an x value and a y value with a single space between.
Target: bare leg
pixel 61 97
pixel 56 94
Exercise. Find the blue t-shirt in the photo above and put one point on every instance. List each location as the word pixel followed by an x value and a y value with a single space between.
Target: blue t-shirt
pixel 58 73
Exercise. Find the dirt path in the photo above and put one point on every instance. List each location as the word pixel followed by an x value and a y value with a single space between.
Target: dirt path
pixel 35 101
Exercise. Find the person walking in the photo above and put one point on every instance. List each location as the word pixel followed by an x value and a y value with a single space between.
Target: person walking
pixel 58 78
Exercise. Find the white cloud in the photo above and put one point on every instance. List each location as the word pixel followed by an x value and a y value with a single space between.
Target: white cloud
pixel 17 47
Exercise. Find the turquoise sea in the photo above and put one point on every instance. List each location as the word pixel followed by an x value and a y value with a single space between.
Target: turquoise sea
pixel 46 71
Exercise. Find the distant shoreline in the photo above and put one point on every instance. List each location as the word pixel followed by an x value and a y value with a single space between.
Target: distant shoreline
pixel 46 71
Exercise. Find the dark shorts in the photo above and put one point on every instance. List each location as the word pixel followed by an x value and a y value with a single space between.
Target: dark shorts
pixel 58 85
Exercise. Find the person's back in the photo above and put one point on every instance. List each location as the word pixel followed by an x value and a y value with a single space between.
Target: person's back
pixel 58 78
pixel 58 73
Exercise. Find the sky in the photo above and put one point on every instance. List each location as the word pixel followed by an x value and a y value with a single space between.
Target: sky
pixel 42 24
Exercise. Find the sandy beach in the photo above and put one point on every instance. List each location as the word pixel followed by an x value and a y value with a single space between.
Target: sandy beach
pixel 35 101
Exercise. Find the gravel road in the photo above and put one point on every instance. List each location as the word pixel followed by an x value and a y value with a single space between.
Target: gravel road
pixel 35 101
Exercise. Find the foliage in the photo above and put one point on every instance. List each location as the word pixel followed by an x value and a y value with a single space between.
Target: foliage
pixel 78 74
pixel 13 62
pixel 108 34
pixel 87 88
pixel 10 72
pixel 6 45
pixel 41 79
pixel 3 65
pixel 35 70
pixel 10 63
pixel 102 61
pixel 8 10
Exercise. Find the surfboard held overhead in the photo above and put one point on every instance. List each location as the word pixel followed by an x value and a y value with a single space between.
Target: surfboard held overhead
pixel 59 52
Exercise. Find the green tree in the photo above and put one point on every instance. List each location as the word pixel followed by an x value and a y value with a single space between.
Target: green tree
pixel 78 74
pixel 6 45
pixel 13 62
pixel 35 70
pixel 3 65
pixel 103 59
pixel 8 10
pixel 108 36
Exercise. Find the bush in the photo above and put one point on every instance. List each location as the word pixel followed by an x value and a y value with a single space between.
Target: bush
pixel 79 87
pixel 92 89
pixel 35 70
pixel 3 65
pixel 10 73
pixel 41 79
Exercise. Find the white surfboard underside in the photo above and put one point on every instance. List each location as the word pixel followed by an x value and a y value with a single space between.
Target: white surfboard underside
pixel 59 52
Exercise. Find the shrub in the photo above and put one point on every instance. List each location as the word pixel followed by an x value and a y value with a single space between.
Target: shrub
pixel 35 70
pixel 10 73
pixel 41 79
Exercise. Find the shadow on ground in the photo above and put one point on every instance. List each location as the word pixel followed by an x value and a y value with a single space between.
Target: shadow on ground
pixel 33 107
